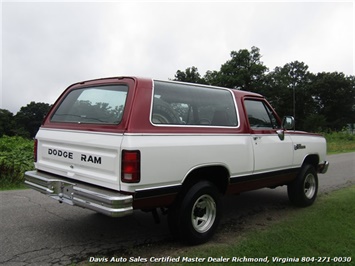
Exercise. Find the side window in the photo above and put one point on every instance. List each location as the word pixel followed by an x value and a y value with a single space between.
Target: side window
pixel 185 104
pixel 260 115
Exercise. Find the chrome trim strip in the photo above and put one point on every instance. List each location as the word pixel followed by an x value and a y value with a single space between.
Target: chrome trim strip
pixel 81 131
pixel 190 134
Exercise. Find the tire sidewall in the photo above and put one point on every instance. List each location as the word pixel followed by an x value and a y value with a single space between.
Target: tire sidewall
pixel 165 112
pixel 184 221
pixel 296 191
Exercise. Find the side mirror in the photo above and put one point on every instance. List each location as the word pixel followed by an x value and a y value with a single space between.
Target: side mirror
pixel 288 122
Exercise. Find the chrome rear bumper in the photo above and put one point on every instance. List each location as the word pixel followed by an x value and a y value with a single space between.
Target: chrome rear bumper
pixel 101 200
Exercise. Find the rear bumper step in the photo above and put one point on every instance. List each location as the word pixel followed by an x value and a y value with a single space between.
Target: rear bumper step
pixel 101 200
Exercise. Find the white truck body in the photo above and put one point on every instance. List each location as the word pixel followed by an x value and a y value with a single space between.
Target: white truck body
pixel 157 144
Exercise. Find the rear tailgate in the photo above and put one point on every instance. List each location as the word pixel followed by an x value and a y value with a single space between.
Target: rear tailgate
pixel 81 136
pixel 90 157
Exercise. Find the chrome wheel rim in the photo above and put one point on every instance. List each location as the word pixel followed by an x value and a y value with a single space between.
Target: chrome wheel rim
pixel 309 186
pixel 203 213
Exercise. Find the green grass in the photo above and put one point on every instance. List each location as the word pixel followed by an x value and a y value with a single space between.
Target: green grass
pixel 324 230
pixel 321 232
pixel 340 142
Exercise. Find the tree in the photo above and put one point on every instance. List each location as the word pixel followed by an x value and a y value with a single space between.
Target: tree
pixel 213 78
pixel 288 90
pixel 334 95
pixel 189 75
pixel 243 71
pixel 6 119
pixel 29 119
pixel 318 101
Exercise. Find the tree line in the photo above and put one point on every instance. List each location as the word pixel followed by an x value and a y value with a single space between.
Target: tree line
pixel 320 102
pixel 26 122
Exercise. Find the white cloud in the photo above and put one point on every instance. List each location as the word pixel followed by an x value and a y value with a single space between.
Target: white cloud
pixel 48 46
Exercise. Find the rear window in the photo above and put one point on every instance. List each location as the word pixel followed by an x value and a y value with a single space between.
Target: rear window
pixel 93 105
pixel 188 104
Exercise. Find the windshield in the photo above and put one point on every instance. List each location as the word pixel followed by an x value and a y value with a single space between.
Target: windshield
pixel 95 105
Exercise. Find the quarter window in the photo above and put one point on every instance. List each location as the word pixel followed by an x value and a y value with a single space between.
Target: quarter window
pixel 185 104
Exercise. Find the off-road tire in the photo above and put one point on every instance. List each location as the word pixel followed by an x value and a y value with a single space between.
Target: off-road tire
pixel 194 218
pixel 303 190
pixel 163 113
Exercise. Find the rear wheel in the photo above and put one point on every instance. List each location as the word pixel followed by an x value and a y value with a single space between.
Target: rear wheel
pixel 195 217
pixel 303 190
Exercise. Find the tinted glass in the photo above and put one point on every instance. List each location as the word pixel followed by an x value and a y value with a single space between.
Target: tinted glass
pixel 260 115
pixel 97 105
pixel 185 104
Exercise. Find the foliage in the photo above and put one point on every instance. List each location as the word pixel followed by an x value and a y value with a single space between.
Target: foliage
pixel 323 101
pixel 189 75
pixel 243 71
pixel 16 157
pixel 30 118
pixel 26 122
pixel 314 235
pixel 319 102
pixel 334 96
pixel 338 142
pixel 315 123
pixel 311 232
pixel 6 122
pixel 287 88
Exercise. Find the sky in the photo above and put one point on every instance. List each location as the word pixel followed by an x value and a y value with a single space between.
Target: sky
pixel 47 46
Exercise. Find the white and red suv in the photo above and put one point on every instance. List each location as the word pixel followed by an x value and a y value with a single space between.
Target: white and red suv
pixel 117 144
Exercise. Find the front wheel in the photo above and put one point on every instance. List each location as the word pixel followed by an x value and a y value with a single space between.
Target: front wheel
pixel 195 217
pixel 303 190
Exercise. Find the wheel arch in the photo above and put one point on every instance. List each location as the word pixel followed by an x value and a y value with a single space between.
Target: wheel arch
pixel 216 174
pixel 312 159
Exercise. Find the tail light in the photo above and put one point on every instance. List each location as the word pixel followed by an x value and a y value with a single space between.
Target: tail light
pixel 131 166
pixel 35 146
